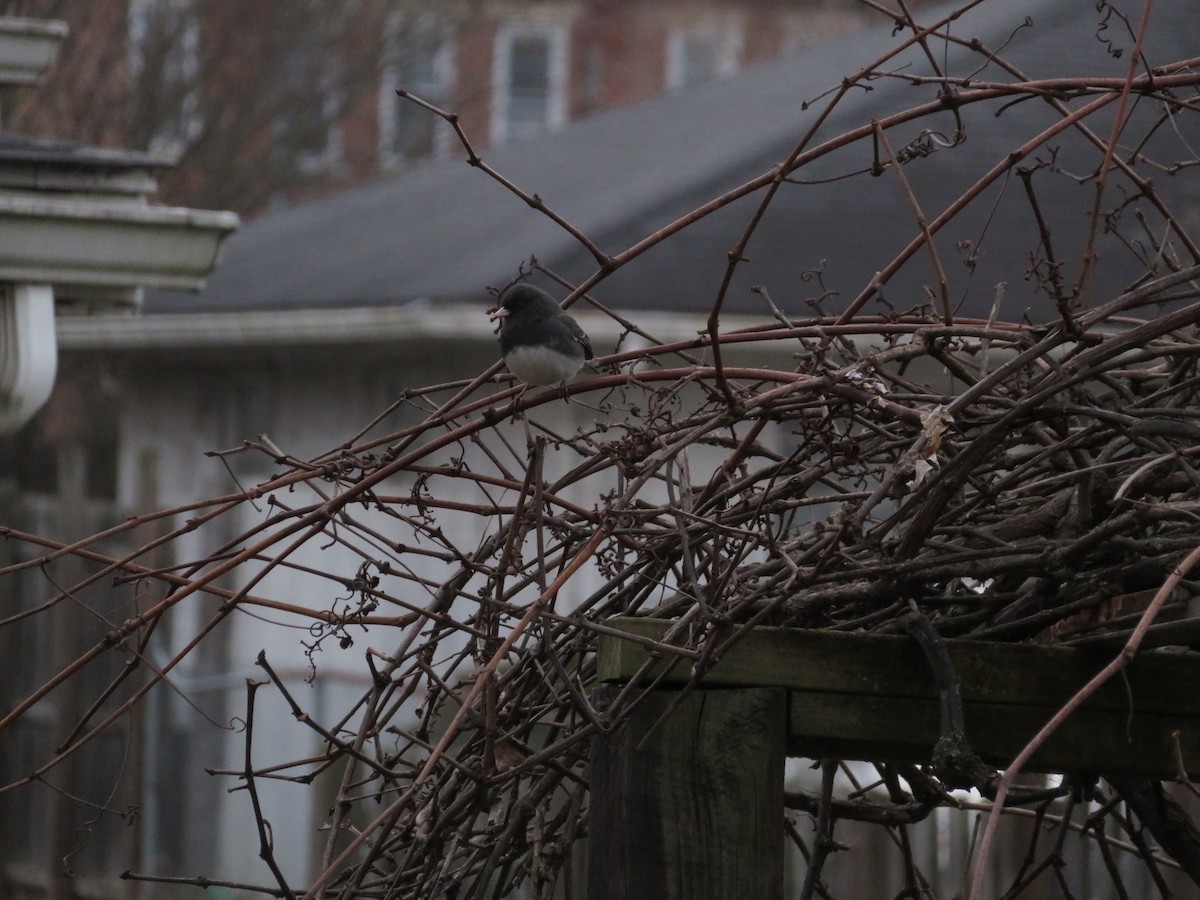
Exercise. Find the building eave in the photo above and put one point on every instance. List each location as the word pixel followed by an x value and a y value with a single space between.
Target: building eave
pixel 331 327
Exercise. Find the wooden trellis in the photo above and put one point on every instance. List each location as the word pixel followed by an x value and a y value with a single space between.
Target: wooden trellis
pixel 687 798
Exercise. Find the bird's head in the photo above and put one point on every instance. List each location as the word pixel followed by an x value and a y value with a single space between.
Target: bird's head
pixel 526 301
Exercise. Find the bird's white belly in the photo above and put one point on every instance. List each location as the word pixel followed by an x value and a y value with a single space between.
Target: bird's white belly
pixel 539 366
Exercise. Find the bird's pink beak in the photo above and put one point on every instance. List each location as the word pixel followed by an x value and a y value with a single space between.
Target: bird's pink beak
pixel 499 312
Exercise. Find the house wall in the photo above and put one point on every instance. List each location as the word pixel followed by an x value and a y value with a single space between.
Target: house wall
pixel 173 409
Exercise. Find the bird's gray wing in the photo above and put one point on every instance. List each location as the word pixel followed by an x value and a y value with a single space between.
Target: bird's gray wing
pixel 579 335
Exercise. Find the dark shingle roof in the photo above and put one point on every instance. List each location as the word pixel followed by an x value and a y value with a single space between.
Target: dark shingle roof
pixel 442 231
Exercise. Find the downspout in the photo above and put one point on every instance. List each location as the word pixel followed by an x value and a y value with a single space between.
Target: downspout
pixel 28 352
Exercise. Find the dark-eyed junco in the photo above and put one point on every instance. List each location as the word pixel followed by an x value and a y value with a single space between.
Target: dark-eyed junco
pixel 541 344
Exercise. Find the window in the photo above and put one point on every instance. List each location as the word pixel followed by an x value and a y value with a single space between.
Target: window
pixel 164 66
pixel 308 138
pixel 700 53
pixel 529 80
pixel 420 59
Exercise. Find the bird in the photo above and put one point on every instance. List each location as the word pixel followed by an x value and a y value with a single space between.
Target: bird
pixel 541 344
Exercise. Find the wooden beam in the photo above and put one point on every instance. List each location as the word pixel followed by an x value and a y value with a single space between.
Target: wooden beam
pixel 692 806
pixel 862 696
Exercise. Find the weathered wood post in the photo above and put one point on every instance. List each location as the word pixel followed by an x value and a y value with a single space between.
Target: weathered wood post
pixel 691 809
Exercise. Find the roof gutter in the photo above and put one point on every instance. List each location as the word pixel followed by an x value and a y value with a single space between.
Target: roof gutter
pixel 87 250
pixel 415 321
pixel 81 244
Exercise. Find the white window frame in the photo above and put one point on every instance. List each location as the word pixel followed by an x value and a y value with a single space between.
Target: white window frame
pixel 175 136
pixel 389 82
pixel 556 35
pixel 329 156
pixel 727 36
